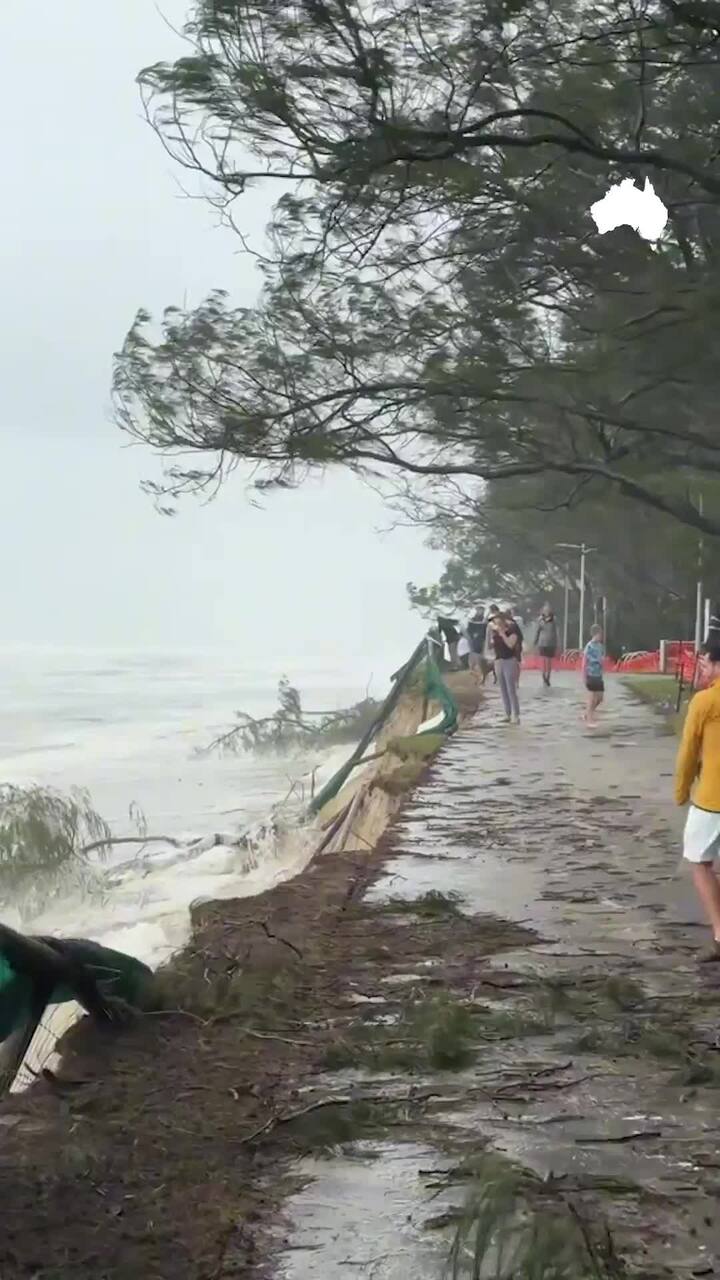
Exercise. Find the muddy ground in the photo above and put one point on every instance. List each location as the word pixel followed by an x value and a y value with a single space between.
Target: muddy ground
pixel 508 981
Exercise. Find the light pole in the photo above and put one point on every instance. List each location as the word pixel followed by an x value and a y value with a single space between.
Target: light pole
pixel 699 586
pixel 584 553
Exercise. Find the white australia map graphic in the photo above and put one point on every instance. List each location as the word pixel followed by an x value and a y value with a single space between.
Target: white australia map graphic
pixel 629 206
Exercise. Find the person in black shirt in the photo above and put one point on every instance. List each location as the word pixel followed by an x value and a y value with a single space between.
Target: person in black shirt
pixel 507 643
pixel 521 639
pixel 477 634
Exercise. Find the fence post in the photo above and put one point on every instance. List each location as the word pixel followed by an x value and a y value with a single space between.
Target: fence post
pixel 681 670
pixel 428 655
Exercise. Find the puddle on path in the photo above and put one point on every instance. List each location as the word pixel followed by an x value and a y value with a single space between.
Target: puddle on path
pixel 583 845
pixel 363 1216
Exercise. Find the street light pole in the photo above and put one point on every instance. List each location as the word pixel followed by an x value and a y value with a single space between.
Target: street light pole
pixel 566 616
pixel 699 586
pixel 581 624
pixel 584 553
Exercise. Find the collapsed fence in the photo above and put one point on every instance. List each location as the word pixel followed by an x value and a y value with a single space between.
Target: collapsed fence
pixel 420 665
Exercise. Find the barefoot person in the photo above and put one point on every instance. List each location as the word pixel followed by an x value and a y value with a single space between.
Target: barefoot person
pixel 697 778
pixel 546 641
pixel 507 641
pixel 593 674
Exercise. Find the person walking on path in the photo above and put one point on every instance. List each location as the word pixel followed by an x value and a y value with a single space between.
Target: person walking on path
pixel 507 642
pixel 477 634
pixel 697 779
pixel 594 675
pixel 515 622
pixel 488 660
pixel 464 648
pixel 546 641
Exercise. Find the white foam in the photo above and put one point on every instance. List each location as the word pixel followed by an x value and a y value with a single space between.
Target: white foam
pixel 149 917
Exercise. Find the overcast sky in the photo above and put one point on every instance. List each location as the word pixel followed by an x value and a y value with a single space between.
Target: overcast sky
pixel 94 225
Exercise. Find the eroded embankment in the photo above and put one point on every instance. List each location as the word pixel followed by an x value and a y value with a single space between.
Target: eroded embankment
pixel 158 1151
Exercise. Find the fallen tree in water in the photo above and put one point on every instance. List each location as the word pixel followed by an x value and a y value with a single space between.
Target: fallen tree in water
pixel 45 842
pixel 292 728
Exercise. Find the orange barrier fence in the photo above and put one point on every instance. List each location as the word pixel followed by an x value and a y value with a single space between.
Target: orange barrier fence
pixel 571 660
pixel 677 658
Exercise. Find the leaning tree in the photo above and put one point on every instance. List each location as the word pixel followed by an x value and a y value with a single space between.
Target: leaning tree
pixel 436 302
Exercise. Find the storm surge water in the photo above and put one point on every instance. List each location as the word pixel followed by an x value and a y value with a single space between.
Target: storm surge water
pixel 130 729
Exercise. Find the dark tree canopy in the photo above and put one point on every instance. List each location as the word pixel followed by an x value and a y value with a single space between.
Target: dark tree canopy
pixel 508 550
pixel 437 302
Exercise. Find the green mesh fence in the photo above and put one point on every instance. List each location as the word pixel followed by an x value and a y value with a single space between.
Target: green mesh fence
pixel 26 994
pixel 434 689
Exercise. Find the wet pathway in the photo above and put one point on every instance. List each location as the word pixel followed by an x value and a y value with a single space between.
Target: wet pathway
pixel 573 833
pixel 570 830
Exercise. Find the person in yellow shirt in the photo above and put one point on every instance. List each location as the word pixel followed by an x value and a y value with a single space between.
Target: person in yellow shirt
pixel 697 779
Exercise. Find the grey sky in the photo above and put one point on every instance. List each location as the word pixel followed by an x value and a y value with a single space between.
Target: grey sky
pixel 94 224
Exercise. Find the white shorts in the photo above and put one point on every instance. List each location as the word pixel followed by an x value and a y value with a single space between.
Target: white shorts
pixel 701 841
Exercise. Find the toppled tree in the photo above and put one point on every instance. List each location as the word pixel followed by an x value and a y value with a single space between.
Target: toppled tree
pixel 291 728
pixel 46 840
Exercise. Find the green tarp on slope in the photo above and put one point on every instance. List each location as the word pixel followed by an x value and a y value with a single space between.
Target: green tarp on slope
pixel 117 975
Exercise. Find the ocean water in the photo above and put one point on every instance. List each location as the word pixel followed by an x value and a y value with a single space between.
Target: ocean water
pixel 129 728
pixel 126 727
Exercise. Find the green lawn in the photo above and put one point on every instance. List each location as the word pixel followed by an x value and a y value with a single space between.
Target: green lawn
pixel 660 692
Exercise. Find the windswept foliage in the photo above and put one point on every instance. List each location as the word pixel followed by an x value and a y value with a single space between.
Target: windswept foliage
pixel 509 1230
pixel 44 844
pixel 437 302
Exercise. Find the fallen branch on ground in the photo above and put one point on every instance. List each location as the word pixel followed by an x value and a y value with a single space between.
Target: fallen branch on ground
pixel 266 1035
pixel 623 1137
pixel 275 937
pixel 381 1099
pixel 208 1022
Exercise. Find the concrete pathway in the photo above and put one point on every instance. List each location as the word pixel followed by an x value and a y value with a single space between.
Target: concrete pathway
pixel 574 833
